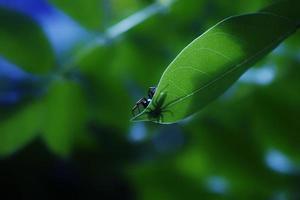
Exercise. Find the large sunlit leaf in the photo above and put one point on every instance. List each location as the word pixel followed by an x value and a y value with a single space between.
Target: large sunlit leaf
pixel 23 42
pixel 215 60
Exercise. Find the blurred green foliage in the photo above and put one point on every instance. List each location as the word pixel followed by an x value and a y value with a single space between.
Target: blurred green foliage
pixel 23 42
pixel 75 136
pixel 88 14
pixel 19 129
pixel 67 99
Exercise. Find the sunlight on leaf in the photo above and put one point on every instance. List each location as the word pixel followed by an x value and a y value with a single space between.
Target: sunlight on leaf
pixel 214 61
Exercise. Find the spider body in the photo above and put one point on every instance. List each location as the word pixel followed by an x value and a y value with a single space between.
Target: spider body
pixel 143 102
pixel 158 109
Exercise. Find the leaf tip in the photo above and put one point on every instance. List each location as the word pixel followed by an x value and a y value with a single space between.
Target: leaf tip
pixel 140 117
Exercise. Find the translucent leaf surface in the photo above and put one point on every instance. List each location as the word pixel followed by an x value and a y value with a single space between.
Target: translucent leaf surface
pixel 215 60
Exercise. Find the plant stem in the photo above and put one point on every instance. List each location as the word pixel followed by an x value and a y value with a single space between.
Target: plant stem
pixel 115 31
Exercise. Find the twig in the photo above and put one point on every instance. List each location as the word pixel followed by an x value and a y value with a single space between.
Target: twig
pixel 115 31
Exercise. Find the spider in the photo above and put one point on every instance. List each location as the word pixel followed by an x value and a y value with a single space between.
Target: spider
pixel 158 109
pixel 144 102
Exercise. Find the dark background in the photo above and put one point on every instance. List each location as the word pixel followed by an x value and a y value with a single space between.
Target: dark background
pixel 70 72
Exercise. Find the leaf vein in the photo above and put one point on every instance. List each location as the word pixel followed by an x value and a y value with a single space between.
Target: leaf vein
pixel 216 52
pixel 234 68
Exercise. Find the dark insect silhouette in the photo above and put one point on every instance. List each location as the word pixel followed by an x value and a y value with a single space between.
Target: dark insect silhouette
pixel 156 111
pixel 143 102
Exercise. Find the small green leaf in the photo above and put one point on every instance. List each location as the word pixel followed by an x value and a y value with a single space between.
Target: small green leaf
pixel 108 99
pixel 215 60
pixel 18 130
pixel 89 14
pixel 64 117
pixel 23 42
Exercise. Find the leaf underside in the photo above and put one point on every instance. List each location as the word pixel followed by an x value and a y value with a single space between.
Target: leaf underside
pixel 214 61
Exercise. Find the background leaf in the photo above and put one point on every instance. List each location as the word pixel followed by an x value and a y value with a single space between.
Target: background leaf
pixel 88 14
pixel 107 97
pixel 23 42
pixel 18 130
pixel 214 61
pixel 64 117
pixel 248 138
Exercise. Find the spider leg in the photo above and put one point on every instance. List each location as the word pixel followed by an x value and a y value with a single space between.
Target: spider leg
pixel 154 102
pixel 169 111
pixel 134 109
pixel 161 118
pixel 138 109
pixel 151 92
pixel 142 102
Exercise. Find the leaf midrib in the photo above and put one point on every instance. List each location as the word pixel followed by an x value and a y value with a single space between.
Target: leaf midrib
pixel 248 60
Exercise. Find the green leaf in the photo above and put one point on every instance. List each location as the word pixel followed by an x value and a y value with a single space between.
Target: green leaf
pixel 108 97
pixel 89 14
pixel 215 60
pixel 18 130
pixel 23 42
pixel 65 117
